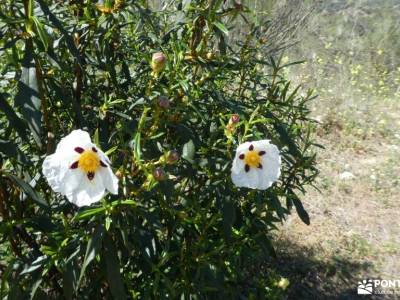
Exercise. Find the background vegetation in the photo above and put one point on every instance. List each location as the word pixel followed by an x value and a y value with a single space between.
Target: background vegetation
pixel 352 52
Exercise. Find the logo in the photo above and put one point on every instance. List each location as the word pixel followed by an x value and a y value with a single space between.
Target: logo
pixel 379 287
pixel 365 287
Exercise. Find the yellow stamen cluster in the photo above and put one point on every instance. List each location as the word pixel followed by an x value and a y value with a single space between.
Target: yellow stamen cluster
pixel 253 159
pixel 89 161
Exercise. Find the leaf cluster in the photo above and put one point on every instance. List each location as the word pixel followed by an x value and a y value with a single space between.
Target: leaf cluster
pixel 192 235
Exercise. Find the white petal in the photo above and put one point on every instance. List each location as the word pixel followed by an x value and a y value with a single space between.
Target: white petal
pixel 110 181
pixel 271 162
pixel 238 164
pixel 252 179
pixel 88 192
pixel 104 157
pixel 77 138
pixel 56 168
pixel 243 147
pixel 72 181
pixel 51 170
pixel 261 145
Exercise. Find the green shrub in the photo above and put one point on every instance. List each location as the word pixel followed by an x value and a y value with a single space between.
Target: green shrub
pixel 178 227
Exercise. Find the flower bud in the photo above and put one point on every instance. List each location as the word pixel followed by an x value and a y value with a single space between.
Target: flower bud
pixel 158 62
pixel 163 102
pixel 159 174
pixel 119 174
pixel 231 126
pixel 234 119
pixel 238 5
pixel 173 156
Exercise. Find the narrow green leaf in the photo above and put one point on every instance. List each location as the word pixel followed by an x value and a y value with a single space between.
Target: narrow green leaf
pixel 41 32
pixel 27 189
pixel 222 46
pixel 275 204
pixel 34 288
pixel 221 27
pixel 70 275
pixel 92 249
pixel 285 137
pixel 300 210
pixel 68 280
pixel 229 214
pixel 111 150
pixel 30 8
pixel 113 270
pixel 292 63
pixel 266 244
pixel 184 85
pixel 11 150
pixel 15 122
pixel 186 3
pixel 293 94
pixel 27 98
pixel 96 139
pixel 137 151
pixel 89 212
pixel 108 222
pixel 35 265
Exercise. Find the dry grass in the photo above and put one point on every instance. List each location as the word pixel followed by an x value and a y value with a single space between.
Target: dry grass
pixel 355 222
pixel 354 231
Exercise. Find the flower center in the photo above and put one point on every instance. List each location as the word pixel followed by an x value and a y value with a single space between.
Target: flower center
pixel 89 161
pixel 252 159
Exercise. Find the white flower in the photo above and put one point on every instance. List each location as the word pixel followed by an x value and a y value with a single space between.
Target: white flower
pixel 256 165
pixel 79 170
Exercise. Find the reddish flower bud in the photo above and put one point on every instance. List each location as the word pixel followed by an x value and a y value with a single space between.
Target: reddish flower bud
pixel 163 102
pixel 159 57
pixel 238 5
pixel 159 174
pixel 158 62
pixel 234 119
pixel 173 156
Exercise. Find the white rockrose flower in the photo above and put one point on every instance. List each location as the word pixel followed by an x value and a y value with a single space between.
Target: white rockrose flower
pixel 79 170
pixel 256 165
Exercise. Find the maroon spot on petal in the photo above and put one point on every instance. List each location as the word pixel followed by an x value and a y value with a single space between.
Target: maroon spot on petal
pixel 74 165
pixel 90 175
pixel 241 156
pixel 261 153
pixel 94 149
pixel 103 164
pixel 251 148
pixel 79 149
pixel 247 168
pixel 260 166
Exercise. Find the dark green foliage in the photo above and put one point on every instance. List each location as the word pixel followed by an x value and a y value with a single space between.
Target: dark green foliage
pixel 191 235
